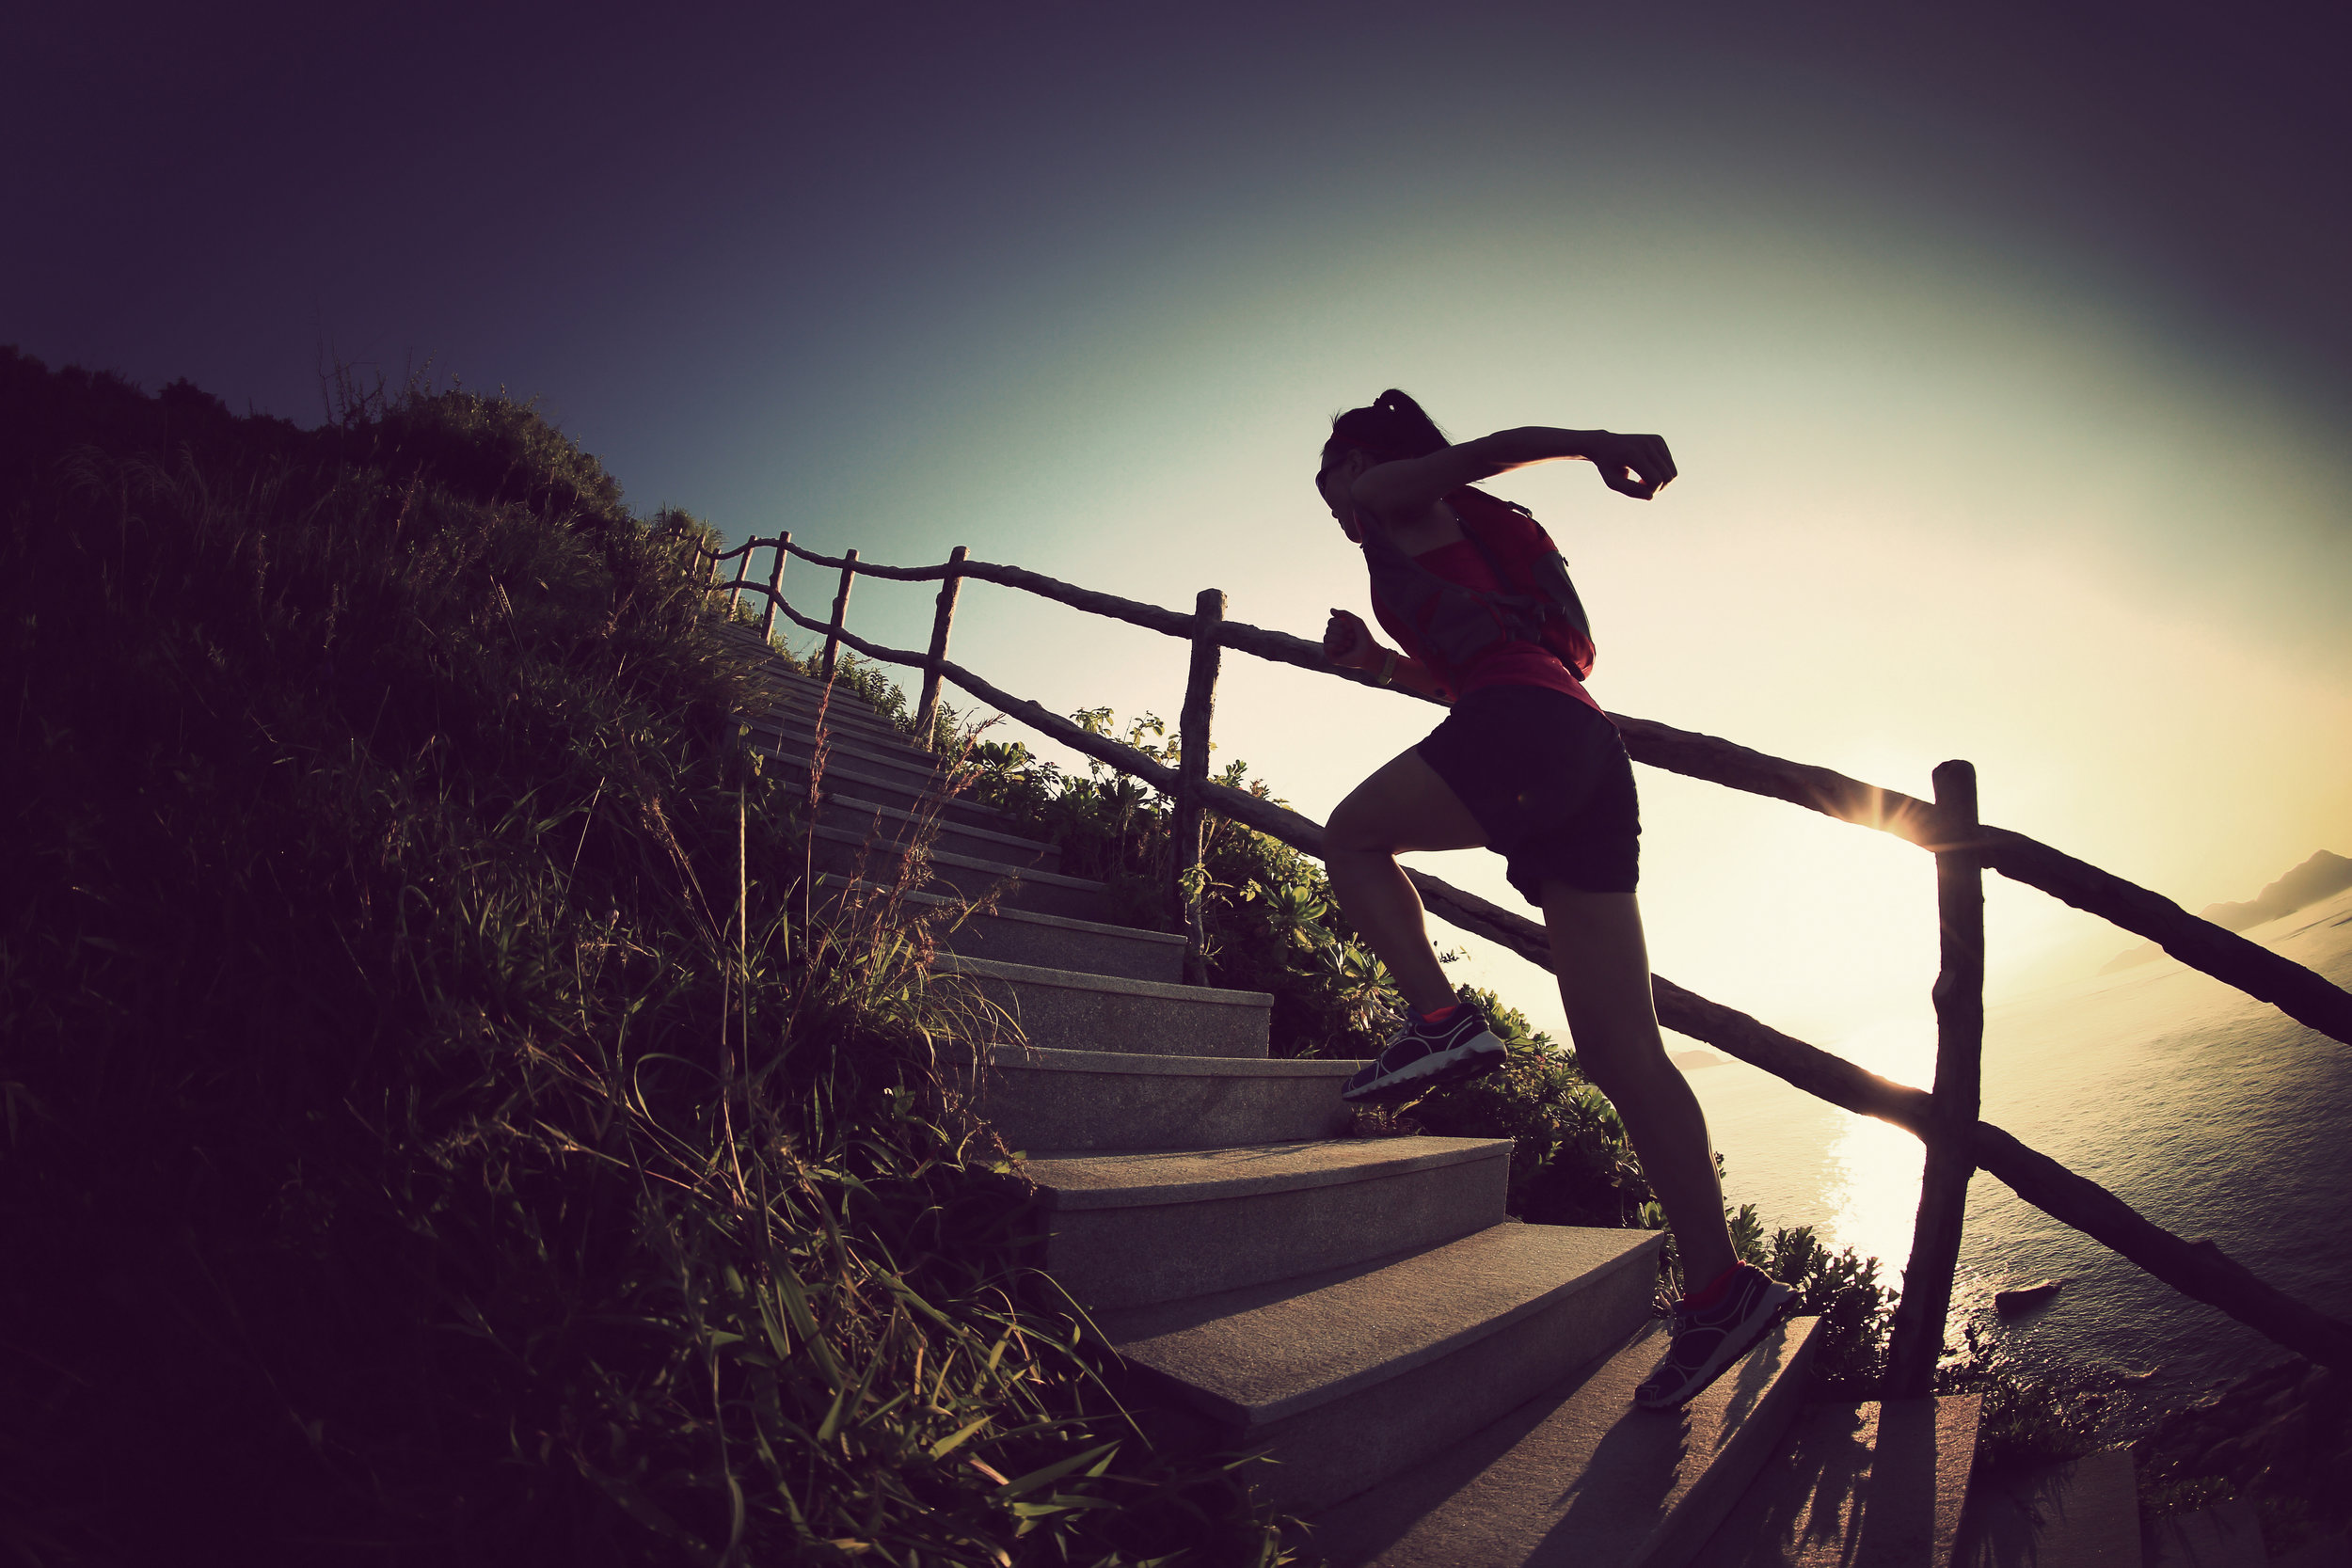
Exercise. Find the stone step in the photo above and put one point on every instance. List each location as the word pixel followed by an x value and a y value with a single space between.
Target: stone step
pixel 812 682
pixel 1052 941
pixel 1579 1476
pixel 889 788
pixel 788 686
pixel 744 641
pixel 858 856
pixel 912 771
pixel 853 813
pixel 1857 1486
pixel 1091 1100
pixel 2082 1512
pixel 1371 1370
pixel 881 758
pixel 791 702
pixel 1066 1010
pixel 1126 1229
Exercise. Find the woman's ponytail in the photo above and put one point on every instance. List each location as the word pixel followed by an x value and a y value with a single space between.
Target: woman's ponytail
pixel 1391 427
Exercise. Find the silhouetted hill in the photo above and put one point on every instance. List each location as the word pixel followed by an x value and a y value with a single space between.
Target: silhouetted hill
pixel 2324 874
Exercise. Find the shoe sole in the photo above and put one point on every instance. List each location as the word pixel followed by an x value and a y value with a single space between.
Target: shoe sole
pixel 1780 1297
pixel 1437 1070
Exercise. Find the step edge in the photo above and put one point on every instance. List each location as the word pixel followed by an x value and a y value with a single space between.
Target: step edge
pixel 870 751
pixel 942 857
pixel 944 826
pixel 847 729
pixel 1070 979
pixel 802 729
pixel 1167 1193
pixel 870 780
pixel 1253 1418
pixel 916 781
pixel 1024 1058
pixel 920 765
pixel 1027 917
pixel 783 684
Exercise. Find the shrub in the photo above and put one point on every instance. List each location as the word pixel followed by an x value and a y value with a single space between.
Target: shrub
pixel 1857 1312
pixel 2034 1412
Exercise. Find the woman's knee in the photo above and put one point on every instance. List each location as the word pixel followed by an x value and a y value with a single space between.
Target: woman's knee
pixel 1403 806
pixel 1357 826
pixel 1619 1062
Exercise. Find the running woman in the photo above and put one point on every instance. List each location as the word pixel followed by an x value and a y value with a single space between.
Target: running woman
pixel 1526 765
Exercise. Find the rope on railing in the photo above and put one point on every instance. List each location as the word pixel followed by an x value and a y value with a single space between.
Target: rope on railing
pixel 2195 1268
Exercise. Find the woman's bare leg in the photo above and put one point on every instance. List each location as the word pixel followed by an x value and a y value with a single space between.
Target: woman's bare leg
pixel 1603 964
pixel 1403 806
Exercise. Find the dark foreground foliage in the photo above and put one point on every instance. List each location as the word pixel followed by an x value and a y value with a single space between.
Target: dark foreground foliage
pixel 434 1131
pixel 2278 1438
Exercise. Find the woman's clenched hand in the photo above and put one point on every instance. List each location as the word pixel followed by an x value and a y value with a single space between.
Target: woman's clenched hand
pixel 1348 642
pixel 1636 466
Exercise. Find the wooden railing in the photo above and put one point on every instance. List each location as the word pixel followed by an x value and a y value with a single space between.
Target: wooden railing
pixel 1945 1119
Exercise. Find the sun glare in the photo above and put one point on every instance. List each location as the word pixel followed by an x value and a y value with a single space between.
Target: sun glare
pixel 1813 925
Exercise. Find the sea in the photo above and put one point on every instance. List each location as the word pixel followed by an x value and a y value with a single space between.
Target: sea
pixel 2214 1115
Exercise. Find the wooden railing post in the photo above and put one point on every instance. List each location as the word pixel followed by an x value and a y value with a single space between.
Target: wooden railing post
pixel 1927 1298
pixel 775 586
pixel 1192 775
pixel 841 609
pixel 743 570
pixel 927 711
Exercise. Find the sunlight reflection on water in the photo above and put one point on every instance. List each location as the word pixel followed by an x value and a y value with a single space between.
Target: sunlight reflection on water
pixel 1875 1199
pixel 2211 1114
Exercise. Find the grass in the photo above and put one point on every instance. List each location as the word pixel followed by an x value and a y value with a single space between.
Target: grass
pixel 435 1128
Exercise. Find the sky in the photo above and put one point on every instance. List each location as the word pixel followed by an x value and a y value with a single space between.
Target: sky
pixel 2004 352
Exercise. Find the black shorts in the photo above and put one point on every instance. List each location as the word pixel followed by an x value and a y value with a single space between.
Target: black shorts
pixel 1546 776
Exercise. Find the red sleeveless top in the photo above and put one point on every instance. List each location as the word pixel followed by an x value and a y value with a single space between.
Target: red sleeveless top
pixel 1508 662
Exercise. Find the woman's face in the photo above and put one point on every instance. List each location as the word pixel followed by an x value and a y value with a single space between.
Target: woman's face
pixel 1332 482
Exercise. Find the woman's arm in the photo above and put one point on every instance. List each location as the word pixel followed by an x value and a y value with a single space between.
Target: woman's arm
pixel 1636 466
pixel 1349 644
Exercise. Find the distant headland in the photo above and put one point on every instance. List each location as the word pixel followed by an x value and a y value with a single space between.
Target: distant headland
pixel 2324 874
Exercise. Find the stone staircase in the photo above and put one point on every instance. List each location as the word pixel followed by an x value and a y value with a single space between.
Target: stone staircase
pixel 1442 1386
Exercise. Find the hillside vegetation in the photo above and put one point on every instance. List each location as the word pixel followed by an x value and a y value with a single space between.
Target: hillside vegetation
pixel 431 1134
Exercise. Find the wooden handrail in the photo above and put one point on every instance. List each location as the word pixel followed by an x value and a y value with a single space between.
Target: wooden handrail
pixel 2195 1268
pixel 2307 997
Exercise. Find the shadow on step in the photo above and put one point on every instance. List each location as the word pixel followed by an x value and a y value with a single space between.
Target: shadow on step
pixel 1578 1476
pixel 1876 1485
pixel 2079 1514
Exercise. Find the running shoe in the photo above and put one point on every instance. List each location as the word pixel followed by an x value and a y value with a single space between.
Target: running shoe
pixel 1425 1056
pixel 1707 1339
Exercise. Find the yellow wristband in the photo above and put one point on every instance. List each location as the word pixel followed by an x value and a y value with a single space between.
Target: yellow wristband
pixel 1388 668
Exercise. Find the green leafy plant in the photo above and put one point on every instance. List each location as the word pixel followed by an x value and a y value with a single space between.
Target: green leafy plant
pixel 1857 1312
